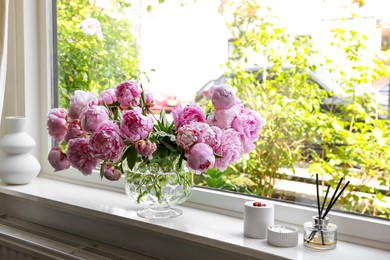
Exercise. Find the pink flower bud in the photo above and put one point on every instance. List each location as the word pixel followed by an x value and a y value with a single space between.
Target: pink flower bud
pixel 223 97
pixel 145 148
pixel 57 124
pixel 149 100
pixel 110 172
pixel 201 157
pixel 58 159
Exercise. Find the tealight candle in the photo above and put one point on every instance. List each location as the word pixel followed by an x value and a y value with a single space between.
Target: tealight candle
pixel 282 236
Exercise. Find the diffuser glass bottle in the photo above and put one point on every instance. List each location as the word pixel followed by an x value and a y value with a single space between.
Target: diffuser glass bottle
pixel 319 234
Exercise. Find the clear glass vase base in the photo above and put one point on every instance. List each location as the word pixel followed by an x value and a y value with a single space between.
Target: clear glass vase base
pixel 159 213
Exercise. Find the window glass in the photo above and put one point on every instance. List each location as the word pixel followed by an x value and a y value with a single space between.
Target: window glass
pixel 318 75
pixel 97 45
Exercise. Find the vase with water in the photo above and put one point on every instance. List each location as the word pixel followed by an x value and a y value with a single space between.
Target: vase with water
pixel 159 185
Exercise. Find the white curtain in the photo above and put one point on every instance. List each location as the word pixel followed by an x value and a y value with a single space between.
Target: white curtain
pixel 3 50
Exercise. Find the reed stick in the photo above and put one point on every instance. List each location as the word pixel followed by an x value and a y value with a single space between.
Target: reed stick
pixel 331 203
pixel 323 203
pixel 318 197
pixel 337 197
pixel 334 195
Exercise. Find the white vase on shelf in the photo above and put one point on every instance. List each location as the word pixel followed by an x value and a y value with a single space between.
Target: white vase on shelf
pixel 17 166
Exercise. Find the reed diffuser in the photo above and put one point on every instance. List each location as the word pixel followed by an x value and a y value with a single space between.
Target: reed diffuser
pixel 320 234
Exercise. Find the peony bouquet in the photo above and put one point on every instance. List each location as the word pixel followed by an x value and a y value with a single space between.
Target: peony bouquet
pixel 117 129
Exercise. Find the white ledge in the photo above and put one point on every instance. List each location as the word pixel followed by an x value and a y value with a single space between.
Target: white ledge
pixel 197 228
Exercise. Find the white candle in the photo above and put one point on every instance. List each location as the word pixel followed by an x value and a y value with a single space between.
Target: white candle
pixel 281 229
pixel 282 236
pixel 258 216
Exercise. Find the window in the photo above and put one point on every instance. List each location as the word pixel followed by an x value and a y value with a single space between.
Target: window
pixel 96 36
pixel 36 107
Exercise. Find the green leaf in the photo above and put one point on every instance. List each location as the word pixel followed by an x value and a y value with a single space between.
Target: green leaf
pixel 180 162
pixel 214 183
pixel 217 155
pixel 163 120
pixel 214 173
pixel 167 145
pixel 131 156
pixel 101 171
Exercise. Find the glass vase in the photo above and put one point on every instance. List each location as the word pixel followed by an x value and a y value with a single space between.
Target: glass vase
pixel 319 234
pixel 159 185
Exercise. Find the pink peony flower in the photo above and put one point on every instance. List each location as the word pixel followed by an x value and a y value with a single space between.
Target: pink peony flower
pixel 128 93
pixel 81 156
pixel 74 130
pixel 230 149
pixel 110 172
pixel 97 130
pixel 145 148
pixel 92 116
pixel 201 157
pixel 106 144
pixel 108 96
pixel 57 124
pixel 58 159
pixel 222 118
pixel 184 116
pixel 223 97
pixel 248 124
pixel 135 126
pixel 186 136
pixel 215 141
pixel 208 135
pixel 79 101
pixel 108 124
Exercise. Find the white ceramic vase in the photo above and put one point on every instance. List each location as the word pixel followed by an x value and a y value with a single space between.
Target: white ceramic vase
pixel 17 166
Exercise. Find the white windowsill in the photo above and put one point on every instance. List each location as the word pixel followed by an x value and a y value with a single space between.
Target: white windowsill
pixel 198 227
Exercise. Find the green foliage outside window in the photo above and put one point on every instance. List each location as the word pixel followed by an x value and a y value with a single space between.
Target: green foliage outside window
pixel 94 62
pixel 336 141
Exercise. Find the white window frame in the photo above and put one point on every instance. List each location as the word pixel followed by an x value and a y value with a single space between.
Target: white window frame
pixel 29 84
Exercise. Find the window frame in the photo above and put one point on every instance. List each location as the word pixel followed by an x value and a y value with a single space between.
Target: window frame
pixel 31 68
